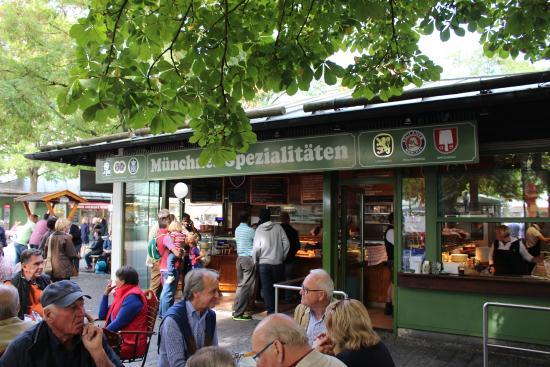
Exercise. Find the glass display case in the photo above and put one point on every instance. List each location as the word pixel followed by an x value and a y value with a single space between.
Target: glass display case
pixel 375 218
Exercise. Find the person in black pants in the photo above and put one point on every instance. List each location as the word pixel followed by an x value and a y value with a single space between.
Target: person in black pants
pixel 294 243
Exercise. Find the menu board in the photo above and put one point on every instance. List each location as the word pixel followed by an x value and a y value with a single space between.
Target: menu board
pixel 237 195
pixel 207 190
pixel 268 190
pixel 312 189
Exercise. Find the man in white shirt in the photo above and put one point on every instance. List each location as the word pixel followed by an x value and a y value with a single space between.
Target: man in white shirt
pixel 278 341
pixel 534 240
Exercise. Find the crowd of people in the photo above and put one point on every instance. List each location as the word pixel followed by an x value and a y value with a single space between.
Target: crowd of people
pixel 43 321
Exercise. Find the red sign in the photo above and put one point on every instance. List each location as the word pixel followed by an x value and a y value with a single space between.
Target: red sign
pixel 446 139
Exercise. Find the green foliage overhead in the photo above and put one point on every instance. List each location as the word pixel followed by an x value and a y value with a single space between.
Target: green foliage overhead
pixel 35 55
pixel 173 63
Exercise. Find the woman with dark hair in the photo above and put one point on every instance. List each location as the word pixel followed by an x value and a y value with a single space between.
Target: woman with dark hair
pixel 128 312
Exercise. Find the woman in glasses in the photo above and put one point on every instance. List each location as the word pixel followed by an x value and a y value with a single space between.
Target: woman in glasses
pixel 355 342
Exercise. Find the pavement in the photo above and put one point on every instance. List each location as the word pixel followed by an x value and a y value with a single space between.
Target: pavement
pixel 414 349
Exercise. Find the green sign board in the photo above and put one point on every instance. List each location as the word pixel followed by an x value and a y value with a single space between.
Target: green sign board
pixel 429 145
pixel 443 144
pixel 121 169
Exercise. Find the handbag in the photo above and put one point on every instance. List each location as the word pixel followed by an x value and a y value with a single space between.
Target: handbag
pixel 48 257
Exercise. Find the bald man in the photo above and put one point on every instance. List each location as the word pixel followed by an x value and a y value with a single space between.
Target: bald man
pixel 10 324
pixel 278 341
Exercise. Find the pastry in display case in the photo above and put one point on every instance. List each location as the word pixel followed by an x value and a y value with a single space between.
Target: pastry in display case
pixel 310 246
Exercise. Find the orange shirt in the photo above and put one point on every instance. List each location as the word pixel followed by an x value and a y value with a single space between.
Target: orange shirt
pixel 34 300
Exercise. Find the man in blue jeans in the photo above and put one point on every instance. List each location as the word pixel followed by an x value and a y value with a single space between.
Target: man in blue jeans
pixel 165 246
pixel 269 251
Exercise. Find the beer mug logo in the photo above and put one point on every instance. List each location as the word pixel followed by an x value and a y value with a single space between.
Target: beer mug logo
pixel 133 166
pixel 382 145
pixel 119 167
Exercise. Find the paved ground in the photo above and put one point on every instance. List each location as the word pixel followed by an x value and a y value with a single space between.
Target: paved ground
pixel 407 351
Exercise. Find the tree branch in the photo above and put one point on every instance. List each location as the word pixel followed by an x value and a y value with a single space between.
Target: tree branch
pixel 280 25
pixel 112 48
pixel 226 43
pixel 305 21
pixel 229 12
pixel 303 25
pixel 169 48
pixel 394 32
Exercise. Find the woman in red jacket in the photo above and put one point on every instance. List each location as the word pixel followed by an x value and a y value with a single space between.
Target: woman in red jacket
pixel 128 312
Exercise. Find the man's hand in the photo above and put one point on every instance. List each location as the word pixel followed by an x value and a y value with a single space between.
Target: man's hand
pixel 92 338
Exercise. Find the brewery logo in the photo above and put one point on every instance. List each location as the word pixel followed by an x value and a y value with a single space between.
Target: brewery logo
pixel 119 167
pixel 133 166
pixel 413 142
pixel 106 169
pixel 446 139
pixel 382 145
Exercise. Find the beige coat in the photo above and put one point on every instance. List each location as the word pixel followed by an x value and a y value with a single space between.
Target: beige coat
pixel 62 255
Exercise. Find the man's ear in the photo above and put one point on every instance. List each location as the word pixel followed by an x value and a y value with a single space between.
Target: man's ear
pixel 278 348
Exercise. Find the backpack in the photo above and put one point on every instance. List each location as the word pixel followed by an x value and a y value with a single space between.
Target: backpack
pixel 153 250
pixel 100 267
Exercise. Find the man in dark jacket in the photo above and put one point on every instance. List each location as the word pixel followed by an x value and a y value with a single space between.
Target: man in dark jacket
pixel 294 243
pixel 30 282
pixel 62 339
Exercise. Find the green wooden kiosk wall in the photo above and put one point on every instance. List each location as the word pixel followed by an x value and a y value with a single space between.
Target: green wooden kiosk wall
pixel 458 312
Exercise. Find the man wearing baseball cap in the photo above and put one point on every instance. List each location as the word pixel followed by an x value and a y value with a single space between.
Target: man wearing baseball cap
pixel 62 339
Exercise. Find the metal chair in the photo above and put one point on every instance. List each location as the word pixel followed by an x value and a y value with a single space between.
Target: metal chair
pixel 115 338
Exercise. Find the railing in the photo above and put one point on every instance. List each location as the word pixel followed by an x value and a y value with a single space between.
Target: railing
pixel 486 343
pixel 285 285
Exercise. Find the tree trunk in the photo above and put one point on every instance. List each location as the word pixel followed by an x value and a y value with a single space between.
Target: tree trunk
pixel 33 176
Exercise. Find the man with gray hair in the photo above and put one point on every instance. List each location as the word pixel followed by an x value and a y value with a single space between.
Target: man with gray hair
pixel 30 282
pixel 190 324
pixel 278 341
pixel 62 338
pixel 10 324
pixel 316 293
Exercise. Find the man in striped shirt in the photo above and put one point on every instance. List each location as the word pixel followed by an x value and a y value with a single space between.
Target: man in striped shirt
pixel 246 271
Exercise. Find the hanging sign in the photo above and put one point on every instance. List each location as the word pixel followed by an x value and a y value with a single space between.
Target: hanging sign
pixel 414 146
pixel 419 146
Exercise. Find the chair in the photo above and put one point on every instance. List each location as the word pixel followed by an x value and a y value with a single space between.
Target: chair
pixel 115 338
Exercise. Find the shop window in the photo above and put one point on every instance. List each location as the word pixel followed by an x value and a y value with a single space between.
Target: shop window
pixel 475 201
pixel 501 186
pixel 414 219
pixel 141 206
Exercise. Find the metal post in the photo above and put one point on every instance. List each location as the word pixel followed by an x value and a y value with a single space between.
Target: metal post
pixel 485 335
pixel 276 299
pixel 486 343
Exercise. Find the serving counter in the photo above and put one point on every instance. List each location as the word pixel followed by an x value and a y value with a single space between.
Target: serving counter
pixel 526 285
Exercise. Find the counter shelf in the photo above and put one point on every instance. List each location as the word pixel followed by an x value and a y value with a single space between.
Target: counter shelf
pixel 526 286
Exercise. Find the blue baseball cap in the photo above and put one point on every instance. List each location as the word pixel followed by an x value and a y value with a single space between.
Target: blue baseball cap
pixel 63 294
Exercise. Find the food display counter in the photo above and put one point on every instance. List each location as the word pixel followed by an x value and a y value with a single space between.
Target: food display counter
pixel 309 256
pixel 223 257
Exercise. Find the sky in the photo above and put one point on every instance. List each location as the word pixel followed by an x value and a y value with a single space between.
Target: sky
pixel 444 53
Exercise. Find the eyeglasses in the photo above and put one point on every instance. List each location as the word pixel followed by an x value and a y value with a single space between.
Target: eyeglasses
pixel 306 290
pixel 255 357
